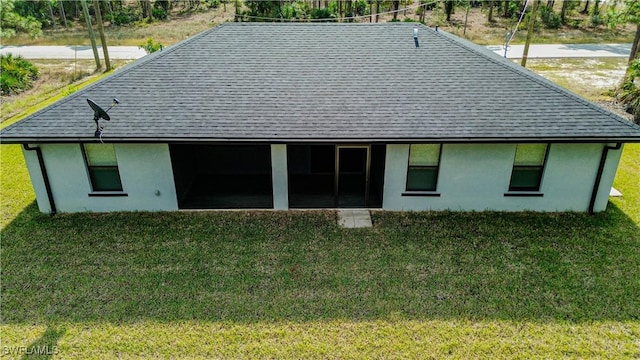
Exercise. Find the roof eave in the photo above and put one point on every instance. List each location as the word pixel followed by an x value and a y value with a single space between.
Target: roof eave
pixel 447 140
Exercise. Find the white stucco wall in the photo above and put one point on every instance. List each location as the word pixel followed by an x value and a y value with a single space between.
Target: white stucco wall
pixel 608 175
pixel 471 177
pixel 37 181
pixel 145 171
pixel 476 177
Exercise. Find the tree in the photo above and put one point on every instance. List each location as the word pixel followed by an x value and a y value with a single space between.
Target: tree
pixel 633 16
pixel 532 21
pixel 628 13
pixel 103 39
pixel 467 6
pixel 12 21
pixel 448 8
pixel 629 93
pixel 490 14
pixel 53 19
pixel 396 6
pixel 586 7
pixel 563 11
pixel 63 16
pixel 260 8
pixel 92 36
pixel 146 8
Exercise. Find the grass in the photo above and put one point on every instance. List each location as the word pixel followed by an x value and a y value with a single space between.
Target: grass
pixel 590 78
pixel 180 27
pixel 295 285
pixel 58 78
pixel 629 178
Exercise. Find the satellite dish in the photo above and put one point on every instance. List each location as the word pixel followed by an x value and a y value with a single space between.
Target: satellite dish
pixel 100 113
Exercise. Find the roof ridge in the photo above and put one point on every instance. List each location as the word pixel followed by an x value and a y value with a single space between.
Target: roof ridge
pixel 116 74
pixel 479 50
pixel 328 23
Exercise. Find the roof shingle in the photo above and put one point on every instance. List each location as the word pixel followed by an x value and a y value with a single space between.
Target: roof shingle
pixel 325 82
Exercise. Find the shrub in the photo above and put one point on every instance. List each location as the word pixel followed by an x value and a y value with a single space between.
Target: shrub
pixel 550 19
pixel 361 7
pixel 212 4
pixel 123 16
pixel 295 10
pixel 151 46
pixel 159 13
pixel 162 4
pixel 323 13
pixel 17 75
pixel 596 18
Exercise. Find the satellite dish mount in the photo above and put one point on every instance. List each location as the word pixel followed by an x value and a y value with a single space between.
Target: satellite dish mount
pixel 100 113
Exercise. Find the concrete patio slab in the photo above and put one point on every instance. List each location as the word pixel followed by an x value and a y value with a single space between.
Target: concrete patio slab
pixel 352 218
pixel 615 193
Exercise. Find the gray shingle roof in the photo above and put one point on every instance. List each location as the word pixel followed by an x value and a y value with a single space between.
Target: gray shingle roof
pixel 325 82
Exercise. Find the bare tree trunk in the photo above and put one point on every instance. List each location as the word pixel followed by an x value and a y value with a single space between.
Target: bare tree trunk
pixel 63 16
pixel 146 8
pixel 377 10
pixel 108 8
pixel 92 35
pixel 53 19
pixel 490 15
pixel 396 6
pixel 563 11
pixel 635 47
pixel 448 8
pixel 586 7
pixel 466 17
pixel 532 21
pixel 103 39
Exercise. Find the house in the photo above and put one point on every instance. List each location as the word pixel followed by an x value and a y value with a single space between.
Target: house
pixel 281 116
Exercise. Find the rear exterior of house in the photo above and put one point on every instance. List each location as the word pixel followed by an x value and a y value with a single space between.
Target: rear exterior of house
pixel 167 177
pixel 298 116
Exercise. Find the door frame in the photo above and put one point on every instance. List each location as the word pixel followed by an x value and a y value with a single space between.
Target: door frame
pixel 367 147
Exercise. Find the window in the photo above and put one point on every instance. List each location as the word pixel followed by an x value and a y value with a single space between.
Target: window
pixel 103 167
pixel 422 174
pixel 528 166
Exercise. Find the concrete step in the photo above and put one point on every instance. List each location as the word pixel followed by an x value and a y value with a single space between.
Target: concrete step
pixel 354 218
